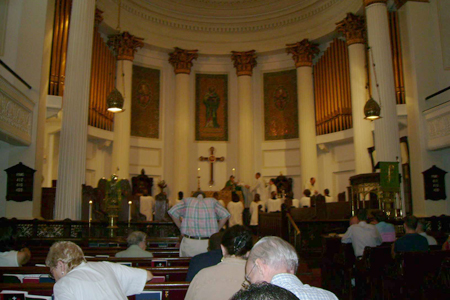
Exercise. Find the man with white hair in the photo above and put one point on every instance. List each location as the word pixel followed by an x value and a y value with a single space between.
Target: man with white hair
pixel 137 243
pixel 274 260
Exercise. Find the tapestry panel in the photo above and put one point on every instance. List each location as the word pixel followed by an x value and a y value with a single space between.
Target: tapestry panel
pixel 145 102
pixel 211 107
pixel 280 105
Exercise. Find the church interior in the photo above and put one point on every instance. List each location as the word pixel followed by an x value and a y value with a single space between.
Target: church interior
pixel 336 90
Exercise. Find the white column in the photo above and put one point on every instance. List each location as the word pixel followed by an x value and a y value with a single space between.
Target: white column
pixel 246 155
pixel 244 62
pixel 182 137
pixel 120 164
pixel 307 124
pixel 303 53
pixel 353 27
pixel 182 62
pixel 125 45
pixel 72 157
pixel 387 144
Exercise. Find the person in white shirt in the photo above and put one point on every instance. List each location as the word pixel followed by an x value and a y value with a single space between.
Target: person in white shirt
pixel 8 256
pixel 362 235
pixel 421 229
pixel 255 207
pixel 305 201
pixel 216 196
pixel 274 260
pixel 328 198
pixel 274 203
pixel 259 188
pixel 147 207
pixel 312 186
pixel 272 188
pixel 235 208
pixel 296 203
pixel 81 280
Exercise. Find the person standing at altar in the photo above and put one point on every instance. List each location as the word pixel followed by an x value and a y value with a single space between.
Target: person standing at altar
pixel 235 208
pixel 197 218
pixel 255 207
pixel 312 186
pixel 147 206
pixel 259 188
pixel 272 187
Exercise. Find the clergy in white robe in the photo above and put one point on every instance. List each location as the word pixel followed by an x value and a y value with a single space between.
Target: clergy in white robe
pixel 259 188
pixel 254 209
pixel 272 188
pixel 296 203
pixel 274 205
pixel 311 185
pixel 147 207
pixel 235 208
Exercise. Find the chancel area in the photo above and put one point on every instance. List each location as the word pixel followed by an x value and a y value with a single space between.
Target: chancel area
pixel 294 116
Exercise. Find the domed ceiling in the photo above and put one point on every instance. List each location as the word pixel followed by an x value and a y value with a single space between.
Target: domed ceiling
pixel 221 26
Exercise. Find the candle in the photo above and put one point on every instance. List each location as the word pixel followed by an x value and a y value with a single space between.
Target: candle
pixel 234 171
pixel 129 211
pixel 198 172
pixel 90 210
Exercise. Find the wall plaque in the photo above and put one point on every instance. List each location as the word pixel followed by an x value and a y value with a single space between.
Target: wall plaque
pixel 20 183
pixel 434 181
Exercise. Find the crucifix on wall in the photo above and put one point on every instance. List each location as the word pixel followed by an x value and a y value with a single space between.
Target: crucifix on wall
pixel 211 159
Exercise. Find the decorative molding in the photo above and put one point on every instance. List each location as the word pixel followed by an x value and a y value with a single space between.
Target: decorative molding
pixel 227 24
pixel 354 29
pixel 125 45
pixel 244 62
pixel 181 60
pixel 303 52
pixel 370 2
pixel 438 127
pixel 16 115
pixel 3 20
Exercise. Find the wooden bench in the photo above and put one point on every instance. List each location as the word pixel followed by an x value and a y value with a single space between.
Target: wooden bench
pixel 170 290
pixel 170 273
pixel 109 251
pixel 135 262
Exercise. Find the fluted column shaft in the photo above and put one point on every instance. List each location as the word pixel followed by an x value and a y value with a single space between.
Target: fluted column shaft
pixel 120 162
pixel 353 28
pixel 125 46
pixel 387 144
pixel 182 62
pixel 244 62
pixel 72 151
pixel 303 53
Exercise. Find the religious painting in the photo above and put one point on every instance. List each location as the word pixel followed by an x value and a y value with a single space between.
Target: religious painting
pixel 211 107
pixel 145 102
pixel 280 105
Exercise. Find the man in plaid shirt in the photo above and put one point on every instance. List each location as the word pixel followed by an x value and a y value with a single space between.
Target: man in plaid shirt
pixel 198 218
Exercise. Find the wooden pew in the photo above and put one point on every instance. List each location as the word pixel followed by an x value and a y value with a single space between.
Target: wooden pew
pixel 108 251
pixel 418 275
pixel 135 262
pixel 170 273
pixel 170 290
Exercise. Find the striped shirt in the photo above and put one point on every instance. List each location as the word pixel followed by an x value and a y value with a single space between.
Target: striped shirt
pixel 199 215
pixel 291 283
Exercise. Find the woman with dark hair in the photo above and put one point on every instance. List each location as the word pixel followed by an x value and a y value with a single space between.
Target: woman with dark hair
pixel 223 280
pixel 9 257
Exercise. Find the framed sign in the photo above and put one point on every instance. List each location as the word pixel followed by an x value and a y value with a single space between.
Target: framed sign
pixel 434 181
pixel 20 183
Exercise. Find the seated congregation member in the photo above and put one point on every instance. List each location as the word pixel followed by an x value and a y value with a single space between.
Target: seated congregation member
pixel 80 280
pixel 221 281
pixel 255 207
pixel 8 256
pixel 296 203
pixel 386 230
pixel 263 291
pixel 235 208
pixel 421 229
pixel 207 259
pixel 137 243
pixel 411 241
pixel 274 260
pixel 328 198
pixel 274 203
pixel 305 201
pixel 197 218
pixel 180 197
pixel 362 235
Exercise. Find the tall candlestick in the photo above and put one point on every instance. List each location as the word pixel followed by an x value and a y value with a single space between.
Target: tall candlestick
pixel 129 213
pixel 90 210
pixel 198 172
pixel 234 172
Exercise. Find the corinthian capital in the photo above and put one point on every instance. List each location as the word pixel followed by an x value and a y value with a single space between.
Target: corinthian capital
pixel 302 52
pixel 181 60
pixel 125 45
pixel 353 28
pixel 244 62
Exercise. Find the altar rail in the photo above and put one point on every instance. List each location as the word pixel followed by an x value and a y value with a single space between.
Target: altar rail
pixel 84 232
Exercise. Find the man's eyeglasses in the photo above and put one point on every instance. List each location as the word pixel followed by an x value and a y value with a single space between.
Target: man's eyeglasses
pixel 246 284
